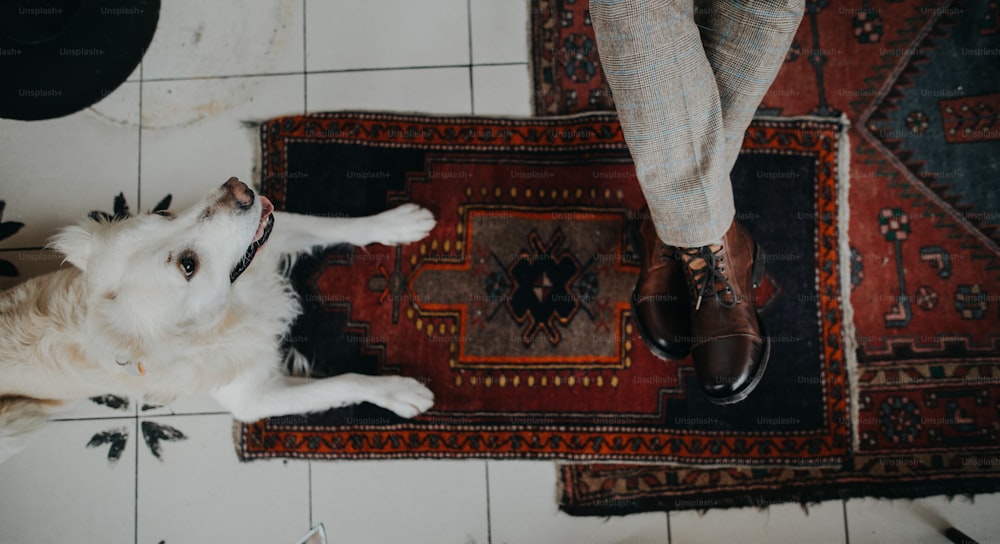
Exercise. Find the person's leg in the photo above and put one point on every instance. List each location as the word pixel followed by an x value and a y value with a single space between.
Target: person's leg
pixel 746 41
pixel 684 130
pixel 686 85
pixel 668 103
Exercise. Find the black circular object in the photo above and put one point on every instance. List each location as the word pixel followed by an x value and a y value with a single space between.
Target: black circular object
pixel 60 56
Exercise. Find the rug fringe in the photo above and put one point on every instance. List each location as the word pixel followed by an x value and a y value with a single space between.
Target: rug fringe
pixel 804 496
pixel 850 338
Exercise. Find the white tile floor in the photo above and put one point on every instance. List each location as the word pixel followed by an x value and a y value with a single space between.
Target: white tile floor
pixel 179 126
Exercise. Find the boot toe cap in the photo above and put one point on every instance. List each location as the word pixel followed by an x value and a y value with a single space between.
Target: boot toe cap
pixel 664 329
pixel 730 366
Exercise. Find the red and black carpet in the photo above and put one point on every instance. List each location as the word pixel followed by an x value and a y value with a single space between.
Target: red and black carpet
pixel 515 309
pixel 920 83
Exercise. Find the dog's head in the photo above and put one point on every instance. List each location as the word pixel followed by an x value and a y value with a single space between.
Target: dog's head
pixel 163 272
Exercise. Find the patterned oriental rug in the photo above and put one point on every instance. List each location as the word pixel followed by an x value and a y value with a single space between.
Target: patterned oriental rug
pixel 515 310
pixel 920 84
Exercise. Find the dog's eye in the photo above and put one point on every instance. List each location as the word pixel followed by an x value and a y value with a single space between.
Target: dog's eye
pixel 188 263
pixel 165 213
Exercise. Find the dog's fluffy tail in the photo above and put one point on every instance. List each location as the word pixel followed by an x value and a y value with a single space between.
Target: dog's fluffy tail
pixel 20 417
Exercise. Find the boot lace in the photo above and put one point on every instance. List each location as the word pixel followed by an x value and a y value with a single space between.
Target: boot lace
pixel 704 280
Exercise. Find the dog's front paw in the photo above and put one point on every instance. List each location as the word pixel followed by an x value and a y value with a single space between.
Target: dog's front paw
pixel 407 223
pixel 404 396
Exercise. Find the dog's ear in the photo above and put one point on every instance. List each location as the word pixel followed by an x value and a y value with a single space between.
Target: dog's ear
pixel 76 243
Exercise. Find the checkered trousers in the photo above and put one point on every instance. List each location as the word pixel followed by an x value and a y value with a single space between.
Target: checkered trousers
pixel 686 81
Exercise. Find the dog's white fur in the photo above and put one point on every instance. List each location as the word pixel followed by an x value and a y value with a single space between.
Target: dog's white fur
pixel 127 299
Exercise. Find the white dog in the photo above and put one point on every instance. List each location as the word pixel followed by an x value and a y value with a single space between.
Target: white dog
pixel 161 306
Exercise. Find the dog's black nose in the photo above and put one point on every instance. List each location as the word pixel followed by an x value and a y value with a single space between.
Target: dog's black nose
pixel 241 195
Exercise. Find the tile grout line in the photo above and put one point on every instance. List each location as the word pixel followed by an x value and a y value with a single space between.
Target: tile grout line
pixel 489 516
pixel 135 481
pixel 670 537
pixel 310 488
pixel 847 534
pixel 140 415
pixel 472 79
pixel 139 163
pixel 339 71
pixel 305 61
pixel 97 418
pixel 184 414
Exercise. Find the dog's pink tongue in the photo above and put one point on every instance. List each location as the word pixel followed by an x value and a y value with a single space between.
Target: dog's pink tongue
pixel 266 207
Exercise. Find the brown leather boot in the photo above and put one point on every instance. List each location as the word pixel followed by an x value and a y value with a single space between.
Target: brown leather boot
pixel 730 347
pixel 660 307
